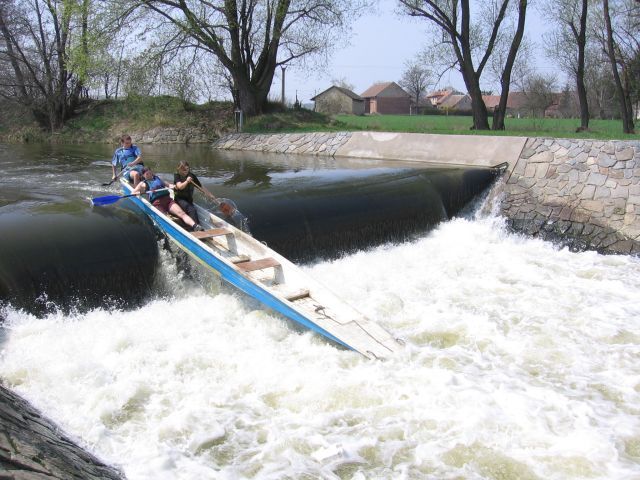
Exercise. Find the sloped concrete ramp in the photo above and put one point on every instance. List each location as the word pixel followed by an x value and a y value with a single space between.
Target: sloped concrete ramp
pixel 470 150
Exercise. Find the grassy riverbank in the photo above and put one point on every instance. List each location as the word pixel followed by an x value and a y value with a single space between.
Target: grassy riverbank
pixel 103 121
pixel 306 121
pixel 460 125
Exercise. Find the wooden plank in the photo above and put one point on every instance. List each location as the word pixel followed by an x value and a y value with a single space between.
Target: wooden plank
pixel 293 296
pixel 239 258
pixel 258 264
pixel 213 232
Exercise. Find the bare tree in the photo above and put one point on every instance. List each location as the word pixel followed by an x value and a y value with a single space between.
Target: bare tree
pixel 416 79
pixel 46 50
pixel 621 45
pixel 342 82
pixel 539 91
pixel 601 90
pixel 252 38
pixel 472 43
pixel 567 44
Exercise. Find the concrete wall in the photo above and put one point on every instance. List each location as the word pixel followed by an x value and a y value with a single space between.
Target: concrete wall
pixel 582 193
pixel 473 150
pixel 357 107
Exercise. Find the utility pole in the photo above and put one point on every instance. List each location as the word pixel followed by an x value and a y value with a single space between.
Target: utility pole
pixel 283 68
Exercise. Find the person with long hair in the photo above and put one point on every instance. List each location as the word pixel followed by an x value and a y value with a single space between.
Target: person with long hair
pixel 161 199
pixel 185 181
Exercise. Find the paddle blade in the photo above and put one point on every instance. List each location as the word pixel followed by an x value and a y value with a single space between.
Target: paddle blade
pixel 108 200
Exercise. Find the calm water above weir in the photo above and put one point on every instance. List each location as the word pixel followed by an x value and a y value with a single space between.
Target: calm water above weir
pixel 522 360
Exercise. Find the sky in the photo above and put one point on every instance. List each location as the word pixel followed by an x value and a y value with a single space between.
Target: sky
pixel 381 43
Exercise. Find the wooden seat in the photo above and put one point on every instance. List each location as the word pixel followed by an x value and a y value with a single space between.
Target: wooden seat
pixel 258 264
pixel 213 232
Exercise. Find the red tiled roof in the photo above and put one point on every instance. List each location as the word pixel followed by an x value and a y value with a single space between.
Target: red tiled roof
pixel 375 89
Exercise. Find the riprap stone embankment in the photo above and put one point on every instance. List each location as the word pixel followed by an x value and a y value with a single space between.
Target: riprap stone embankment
pixel 584 193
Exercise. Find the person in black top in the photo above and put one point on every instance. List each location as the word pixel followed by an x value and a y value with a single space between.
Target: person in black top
pixel 185 181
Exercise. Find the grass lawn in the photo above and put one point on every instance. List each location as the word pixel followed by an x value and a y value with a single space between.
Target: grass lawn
pixel 451 124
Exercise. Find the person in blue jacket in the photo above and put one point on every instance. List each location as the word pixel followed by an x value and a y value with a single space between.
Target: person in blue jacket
pixel 129 158
pixel 161 199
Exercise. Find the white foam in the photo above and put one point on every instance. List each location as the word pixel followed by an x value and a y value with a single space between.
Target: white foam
pixel 522 361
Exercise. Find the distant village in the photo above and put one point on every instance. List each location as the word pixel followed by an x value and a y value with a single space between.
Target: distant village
pixel 389 98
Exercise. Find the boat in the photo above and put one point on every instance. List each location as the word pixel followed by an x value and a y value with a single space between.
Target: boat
pixel 260 272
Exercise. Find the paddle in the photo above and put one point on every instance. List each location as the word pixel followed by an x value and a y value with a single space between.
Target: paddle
pixel 115 178
pixel 109 199
pixel 207 194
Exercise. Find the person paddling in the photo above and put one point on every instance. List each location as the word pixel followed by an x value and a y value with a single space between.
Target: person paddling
pixel 161 199
pixel 185 181
pixel 129 158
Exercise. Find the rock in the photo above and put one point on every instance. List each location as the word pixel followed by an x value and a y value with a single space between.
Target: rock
pixel 33 448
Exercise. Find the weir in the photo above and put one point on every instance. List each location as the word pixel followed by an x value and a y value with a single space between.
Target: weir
pixel 74 257
pixel 110 254
pixel 329 213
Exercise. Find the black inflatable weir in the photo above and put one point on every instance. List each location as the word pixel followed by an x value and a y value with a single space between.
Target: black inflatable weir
pixel 68 255
pixel 84 259
pixel 330 213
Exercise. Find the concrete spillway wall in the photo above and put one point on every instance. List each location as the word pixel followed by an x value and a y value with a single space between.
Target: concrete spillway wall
pixel 584 193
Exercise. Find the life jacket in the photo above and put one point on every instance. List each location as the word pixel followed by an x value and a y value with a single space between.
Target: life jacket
pixel 154 184
pixel 126 156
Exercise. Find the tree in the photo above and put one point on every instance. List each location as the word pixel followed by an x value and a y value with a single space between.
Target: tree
pixel 252 38
pixel 568 45
pixel 539 92
pixel 619 46
pixel 342 83
pixel 472 43
pixel 601 90
pixel 47 53
pixel 416 78
pixel 566 103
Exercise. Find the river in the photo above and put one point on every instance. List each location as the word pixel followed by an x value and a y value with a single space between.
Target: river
pixel 522 361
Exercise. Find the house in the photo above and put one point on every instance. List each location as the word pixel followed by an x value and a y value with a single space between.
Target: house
pixel 456 102
pixel 336 100
pixel 516 104
pixel 386 98
pixel 439 96
pixel 423 107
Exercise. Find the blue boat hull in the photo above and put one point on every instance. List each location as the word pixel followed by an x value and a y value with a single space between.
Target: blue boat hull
pixel 228 273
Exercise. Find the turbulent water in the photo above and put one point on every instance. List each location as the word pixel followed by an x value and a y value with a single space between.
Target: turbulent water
pixel 522 361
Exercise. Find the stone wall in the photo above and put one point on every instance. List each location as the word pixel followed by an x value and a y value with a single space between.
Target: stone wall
pixel 173 135
pixel 583 193
pixel 325 144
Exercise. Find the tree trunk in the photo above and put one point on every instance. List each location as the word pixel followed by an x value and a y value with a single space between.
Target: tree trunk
pixel 250 98
pixel 478 107
pixel 580 87
pixel 625 107
pixel 505 79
